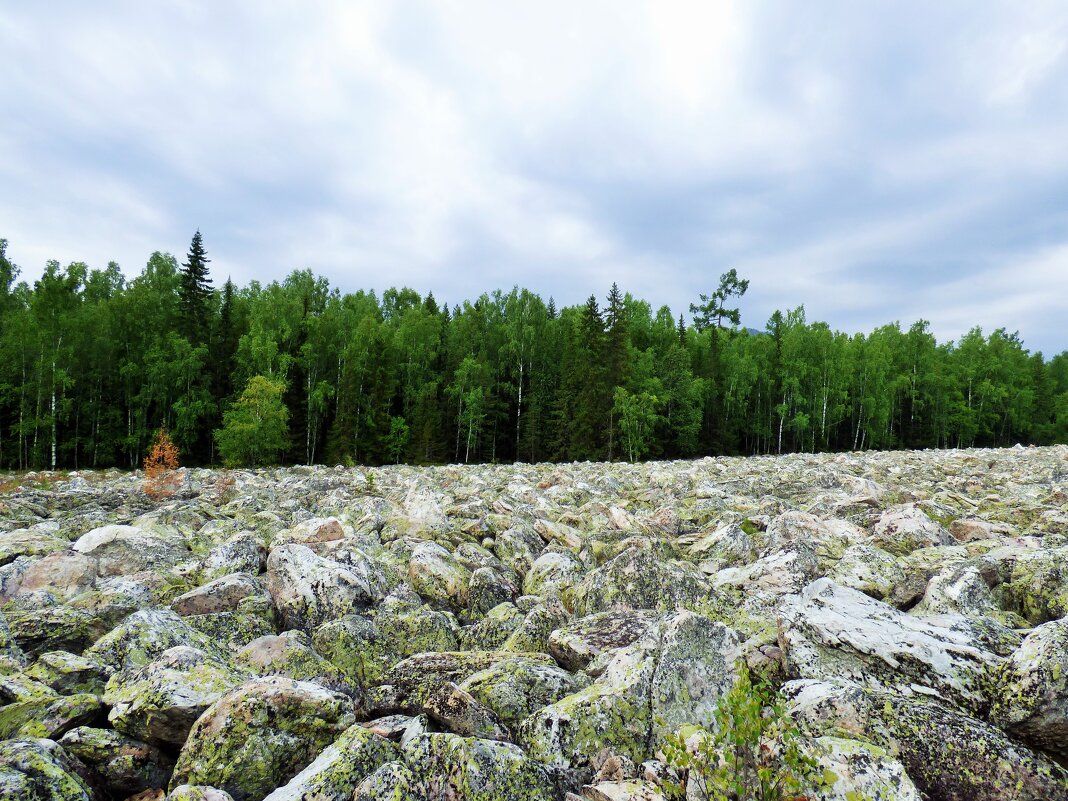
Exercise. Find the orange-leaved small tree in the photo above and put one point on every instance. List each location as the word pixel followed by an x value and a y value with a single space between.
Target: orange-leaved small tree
pixel 161 480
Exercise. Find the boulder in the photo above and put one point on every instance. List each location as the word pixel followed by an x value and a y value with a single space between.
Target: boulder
pixel 516 688
pixel 260 735
pixel 291 654
pixel 125 765
pixel 220 595
pixel 832 631
pixel 438 577
pixel 159 702
pixel 575 645
pixel 39 770
pixel 638 579
pixel 121 550
pixel 904 529
pixel 68 673
pixel 335 774
pixel 551 573
pixel 144 636
pixel 447 766
pixel 1031 697
pixel 309 590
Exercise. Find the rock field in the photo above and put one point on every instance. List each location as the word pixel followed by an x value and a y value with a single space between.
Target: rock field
pixel 533 632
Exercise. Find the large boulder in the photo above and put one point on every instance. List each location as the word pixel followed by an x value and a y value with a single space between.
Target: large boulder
pixel 575 645
pixel 551 573
pixel 121 550
pixel 904 529
pixel 438 577
pixel 309 590
pixel 1031 699
pixel 223 594
pixel 144 636
pixel 291 654
pixel 339 769
pixel 39 770
pixel 28 542
pixel 260 735
pixel 125 765
pixel 832 631
pixel 676 674
pixel 447 766
pixel 516 688
pixel 946 753
pixel 638 578
pixel 65 574
pixel 160 701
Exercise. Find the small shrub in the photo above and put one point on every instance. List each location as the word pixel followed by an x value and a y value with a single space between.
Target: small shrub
pixel 161 464
pixel 754 753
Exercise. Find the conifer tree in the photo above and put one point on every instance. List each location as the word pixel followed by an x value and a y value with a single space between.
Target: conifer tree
pixel 194 292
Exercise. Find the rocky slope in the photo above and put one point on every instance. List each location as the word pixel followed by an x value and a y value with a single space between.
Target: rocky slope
pixel 526 632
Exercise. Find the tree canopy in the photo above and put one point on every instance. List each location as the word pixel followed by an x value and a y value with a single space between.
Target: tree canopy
pixel 93 364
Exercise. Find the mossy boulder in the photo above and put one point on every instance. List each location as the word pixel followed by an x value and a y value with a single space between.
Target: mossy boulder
pixel 639 579
pixel 516 688
pixel 48 716
pixel 438 577
pixel 447 766
pixel 1031 695
pixel 39 770
pixel 906 528
pixel 53 628
pixel 335 774
pixel 291 654
pixel 121 550
pixel 493 630
pixel 308 590
pixel 538 624
pixel 144 636
pixel 488 589
pixel 551 573
pixel 125 765
pixel 244 552
pixel 1037 587
pixel 252 618
pixel 879 574
pixel 393 781
pixel 28 542
pixel 159 702
pixel 575 645
pixel 219 595
pixel 260 735
pixel 68 673
pixel 365 647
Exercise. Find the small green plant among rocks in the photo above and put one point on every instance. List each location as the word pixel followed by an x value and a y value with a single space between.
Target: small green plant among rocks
pixel 753 752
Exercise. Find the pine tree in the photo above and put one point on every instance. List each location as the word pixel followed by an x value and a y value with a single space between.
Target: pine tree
pixel 194 292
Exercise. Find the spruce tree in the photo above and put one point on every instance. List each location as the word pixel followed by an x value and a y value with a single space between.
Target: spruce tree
pixel 194 292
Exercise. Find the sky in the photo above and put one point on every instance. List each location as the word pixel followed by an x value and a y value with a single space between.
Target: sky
pixel 873 161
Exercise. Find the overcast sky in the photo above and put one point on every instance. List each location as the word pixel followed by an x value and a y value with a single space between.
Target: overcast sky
pixel 872 161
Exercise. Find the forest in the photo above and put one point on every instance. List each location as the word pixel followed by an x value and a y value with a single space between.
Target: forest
pixel 93 365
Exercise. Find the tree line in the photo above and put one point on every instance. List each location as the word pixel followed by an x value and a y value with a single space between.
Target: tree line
pixel 92 365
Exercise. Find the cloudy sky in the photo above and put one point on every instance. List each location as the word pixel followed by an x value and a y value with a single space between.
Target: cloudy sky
pixel 873 161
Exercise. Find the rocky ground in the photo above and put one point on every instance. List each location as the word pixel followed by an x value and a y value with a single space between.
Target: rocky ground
pixel 525 632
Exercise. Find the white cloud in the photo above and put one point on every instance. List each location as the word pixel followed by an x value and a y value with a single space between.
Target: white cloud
pixel 464 146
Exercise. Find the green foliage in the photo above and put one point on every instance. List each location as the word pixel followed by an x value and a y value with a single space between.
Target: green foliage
pixel 397 440
pixel 637 418
pixel 753 752
pixel 255 427
pixel 91 365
